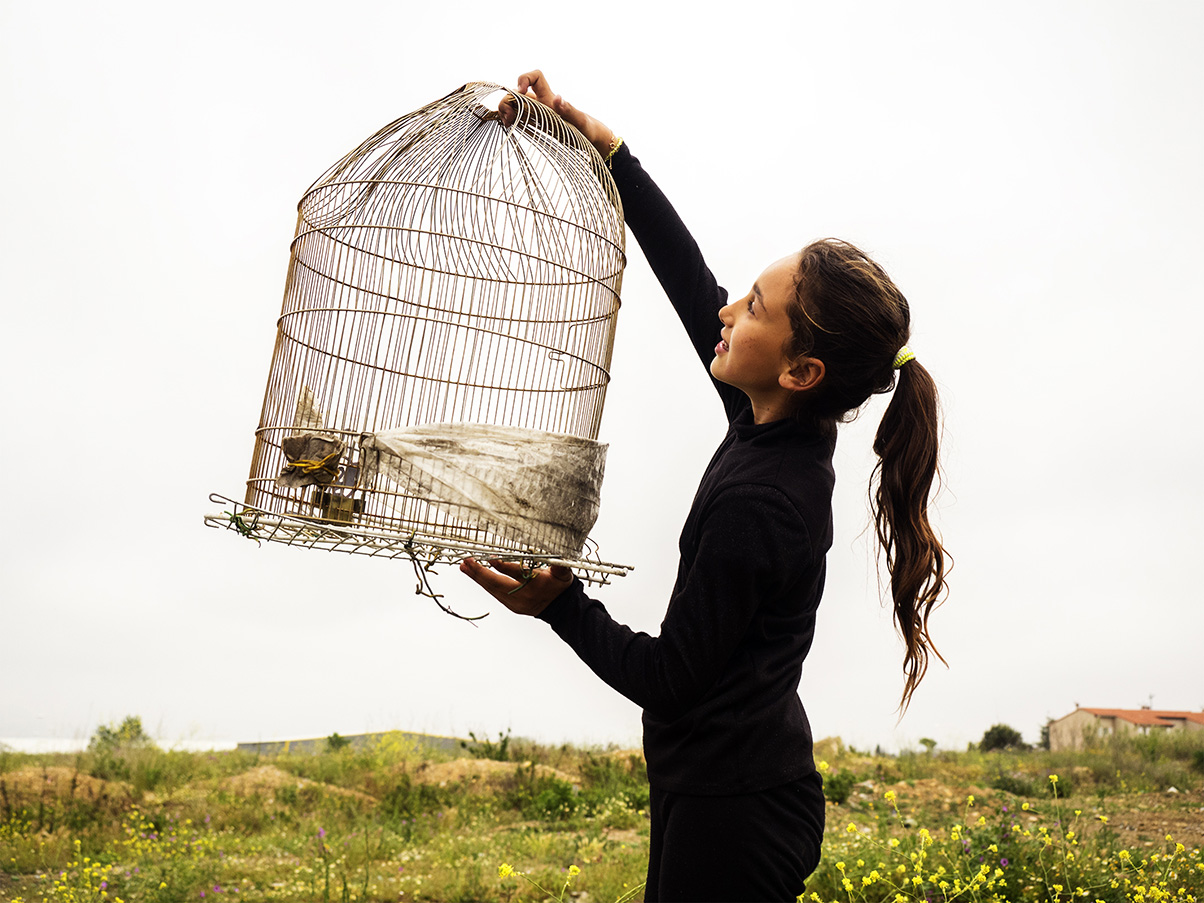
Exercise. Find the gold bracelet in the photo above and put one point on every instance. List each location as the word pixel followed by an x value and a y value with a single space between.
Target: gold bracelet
pixel 615 144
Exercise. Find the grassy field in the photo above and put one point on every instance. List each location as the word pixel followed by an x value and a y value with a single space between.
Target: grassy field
pixel 516 821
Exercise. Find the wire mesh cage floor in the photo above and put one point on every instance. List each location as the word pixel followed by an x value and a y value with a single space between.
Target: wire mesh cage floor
pixel 444 344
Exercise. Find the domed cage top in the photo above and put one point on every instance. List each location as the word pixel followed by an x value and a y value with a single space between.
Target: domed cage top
pixel 443 349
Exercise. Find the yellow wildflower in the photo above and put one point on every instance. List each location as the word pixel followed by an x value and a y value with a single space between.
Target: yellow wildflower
pixel 574 871
pixel 505 870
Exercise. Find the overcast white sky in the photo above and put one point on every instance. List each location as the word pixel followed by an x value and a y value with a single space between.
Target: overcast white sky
pixel 1029 172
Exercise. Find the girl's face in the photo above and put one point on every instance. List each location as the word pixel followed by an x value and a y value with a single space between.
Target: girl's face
pixel 751 353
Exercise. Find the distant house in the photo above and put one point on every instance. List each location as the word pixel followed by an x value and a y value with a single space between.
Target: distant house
pixel 1081 725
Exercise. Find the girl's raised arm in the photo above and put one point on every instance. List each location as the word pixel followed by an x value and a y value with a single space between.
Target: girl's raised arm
pixel 667 244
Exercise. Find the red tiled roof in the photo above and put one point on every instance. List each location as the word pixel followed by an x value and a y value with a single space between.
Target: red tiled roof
pixel 1149 717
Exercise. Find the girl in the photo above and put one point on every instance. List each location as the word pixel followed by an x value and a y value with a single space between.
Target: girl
pixel 737 807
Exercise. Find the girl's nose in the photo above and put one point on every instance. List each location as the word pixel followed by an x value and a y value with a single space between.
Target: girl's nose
pixel 725 313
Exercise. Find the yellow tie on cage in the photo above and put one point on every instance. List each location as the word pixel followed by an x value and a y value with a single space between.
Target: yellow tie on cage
pixel 443 350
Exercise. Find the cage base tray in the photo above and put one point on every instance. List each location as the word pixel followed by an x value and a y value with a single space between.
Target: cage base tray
pixel 425 551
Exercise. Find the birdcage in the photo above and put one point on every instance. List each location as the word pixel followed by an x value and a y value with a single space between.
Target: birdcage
pixel 443 349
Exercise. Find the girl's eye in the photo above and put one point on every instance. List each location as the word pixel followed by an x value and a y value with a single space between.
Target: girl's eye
pixel 750 304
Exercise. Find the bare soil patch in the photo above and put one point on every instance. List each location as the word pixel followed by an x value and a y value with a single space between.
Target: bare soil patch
pixel 54 784
pixel 484 773
pixel 1145 819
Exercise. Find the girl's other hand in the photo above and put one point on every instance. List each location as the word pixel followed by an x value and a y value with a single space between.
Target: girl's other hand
pixel 522 591
pixel 533 84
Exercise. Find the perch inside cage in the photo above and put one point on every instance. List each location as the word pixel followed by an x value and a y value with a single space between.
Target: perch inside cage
pixel 443 350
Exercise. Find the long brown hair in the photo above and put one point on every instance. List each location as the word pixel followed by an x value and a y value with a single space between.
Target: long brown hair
pixel 848 314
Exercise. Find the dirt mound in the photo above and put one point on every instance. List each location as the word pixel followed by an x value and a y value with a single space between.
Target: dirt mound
pixel 482 772
pixel 268 780
pixel 51 785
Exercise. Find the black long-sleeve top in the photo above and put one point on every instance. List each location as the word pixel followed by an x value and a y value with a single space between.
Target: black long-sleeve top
pixel 719 685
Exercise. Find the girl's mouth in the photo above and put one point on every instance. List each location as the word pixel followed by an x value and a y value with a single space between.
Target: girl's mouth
pixel 722 347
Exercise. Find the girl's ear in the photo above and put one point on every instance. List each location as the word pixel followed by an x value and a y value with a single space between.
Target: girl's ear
pixel 805 373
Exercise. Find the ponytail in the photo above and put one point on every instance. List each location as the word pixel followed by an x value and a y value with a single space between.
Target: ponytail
pixel 849 314
pixel 906 445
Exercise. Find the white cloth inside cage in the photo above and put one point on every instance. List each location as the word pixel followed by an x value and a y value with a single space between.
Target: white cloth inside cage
pixel 539 487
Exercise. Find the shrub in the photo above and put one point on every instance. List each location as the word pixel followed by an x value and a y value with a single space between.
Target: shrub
pixel 557 800
pixel 837 787
pixel 126 735
pixel 1000 736
pixel 487 749
pixel 1015 784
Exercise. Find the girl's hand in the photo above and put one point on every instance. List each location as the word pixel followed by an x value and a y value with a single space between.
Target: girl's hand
pixel 533 84
pixel 523 592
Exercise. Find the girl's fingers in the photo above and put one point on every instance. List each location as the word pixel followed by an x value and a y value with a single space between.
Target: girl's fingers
pixel 491 581
pixel 510 568
pixel 535 82
pixel 523 575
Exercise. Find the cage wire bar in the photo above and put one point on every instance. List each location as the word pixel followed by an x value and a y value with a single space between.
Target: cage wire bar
pixel 455 270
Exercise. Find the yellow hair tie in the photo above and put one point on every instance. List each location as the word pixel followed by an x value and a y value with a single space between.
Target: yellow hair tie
pixel 905 354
